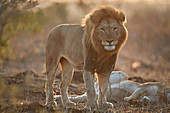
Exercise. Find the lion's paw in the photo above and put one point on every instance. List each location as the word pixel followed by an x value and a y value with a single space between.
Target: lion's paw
pixel 91 106
pixel 127 99
pixel 51 105
pixel 105 107
pixel 69 105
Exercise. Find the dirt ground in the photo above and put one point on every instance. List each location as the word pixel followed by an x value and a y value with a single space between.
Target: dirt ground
pixel 25 92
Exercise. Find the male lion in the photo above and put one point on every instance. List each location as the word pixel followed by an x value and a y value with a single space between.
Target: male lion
pixel 92 47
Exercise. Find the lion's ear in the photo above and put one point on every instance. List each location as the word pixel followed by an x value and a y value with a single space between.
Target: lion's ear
pixel 121 16
pixel 95 18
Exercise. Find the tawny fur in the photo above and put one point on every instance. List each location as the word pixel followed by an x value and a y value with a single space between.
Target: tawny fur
pixel 81 47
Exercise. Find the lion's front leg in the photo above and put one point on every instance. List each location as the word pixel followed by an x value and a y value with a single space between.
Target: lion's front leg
pixel 103 86
pixel 91 94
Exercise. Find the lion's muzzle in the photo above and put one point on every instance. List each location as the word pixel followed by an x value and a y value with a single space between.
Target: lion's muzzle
pixel 110 45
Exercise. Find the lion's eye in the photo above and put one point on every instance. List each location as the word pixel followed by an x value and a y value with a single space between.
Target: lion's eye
pixel 102 29
pixel 115 29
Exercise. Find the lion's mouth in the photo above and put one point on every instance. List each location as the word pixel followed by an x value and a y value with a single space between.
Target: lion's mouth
pixel 109 45
pixel 109 48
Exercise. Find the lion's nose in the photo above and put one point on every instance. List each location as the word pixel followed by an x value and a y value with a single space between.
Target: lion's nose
pixel 109 41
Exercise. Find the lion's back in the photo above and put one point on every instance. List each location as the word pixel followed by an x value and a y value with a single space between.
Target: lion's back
pixel 68 31
pixel 66 40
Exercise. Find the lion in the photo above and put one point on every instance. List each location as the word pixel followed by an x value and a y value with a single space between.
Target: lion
pixel 123 90
pixel 91 47
pixel 151 92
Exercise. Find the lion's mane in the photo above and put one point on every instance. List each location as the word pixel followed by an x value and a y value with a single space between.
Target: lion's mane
pixel 97 58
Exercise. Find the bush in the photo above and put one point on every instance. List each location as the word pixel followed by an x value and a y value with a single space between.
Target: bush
pixel 30 23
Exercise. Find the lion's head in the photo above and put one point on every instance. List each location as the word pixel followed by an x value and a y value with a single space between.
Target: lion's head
pixel 105 30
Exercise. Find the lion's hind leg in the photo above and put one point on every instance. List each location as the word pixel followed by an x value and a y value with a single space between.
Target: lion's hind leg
pixel 53 52
pixel 67 74
pixel 51 67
